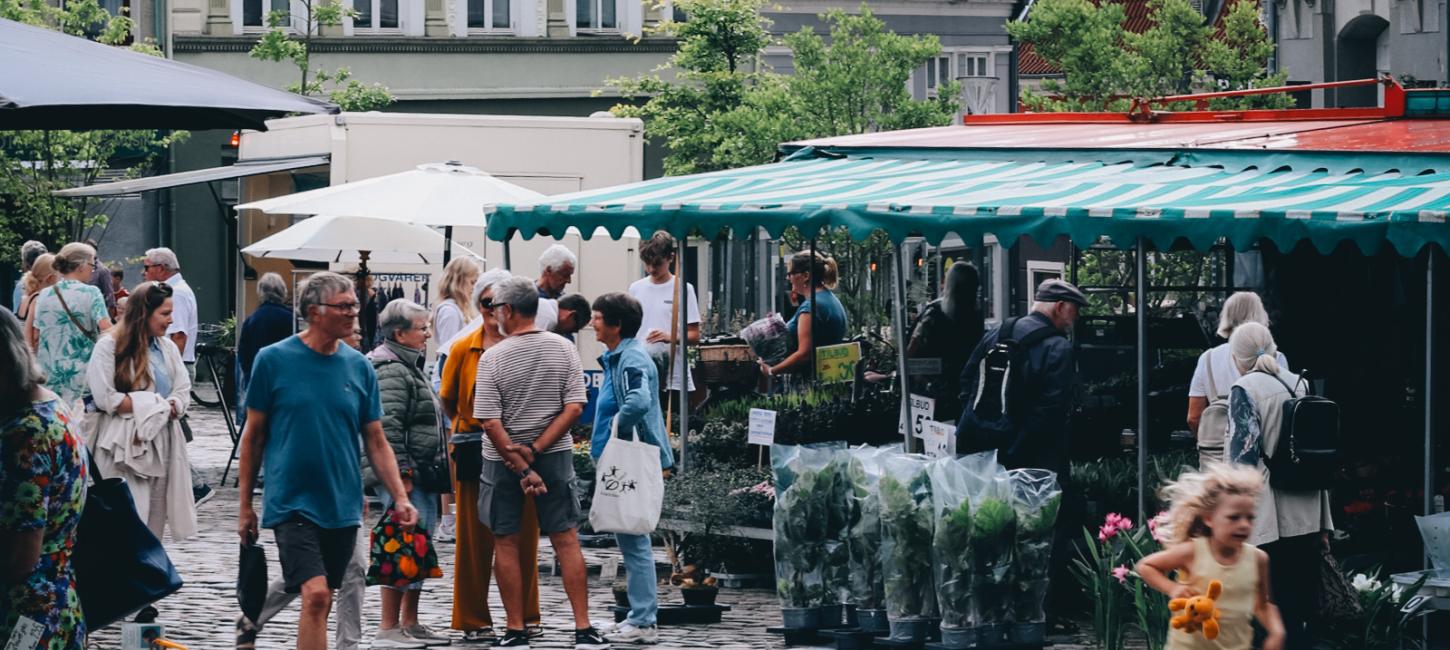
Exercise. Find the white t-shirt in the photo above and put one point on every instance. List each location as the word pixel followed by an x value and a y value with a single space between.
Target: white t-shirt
pixel 183 315
pixel 548 314
pixel 1225 372
pixel 658 301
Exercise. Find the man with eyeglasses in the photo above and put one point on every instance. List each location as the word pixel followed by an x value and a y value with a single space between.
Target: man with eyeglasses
pixel 313 407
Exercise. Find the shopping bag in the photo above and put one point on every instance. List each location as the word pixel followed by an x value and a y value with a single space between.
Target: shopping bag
pixel 629 488
pixel 398 557
pixel 120 566
pixel 251 580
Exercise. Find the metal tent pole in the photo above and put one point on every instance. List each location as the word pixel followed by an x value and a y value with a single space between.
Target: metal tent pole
pixel 898 316
pixel 1141 307
pixel 814 280
pixel 683 301
pixel 447 244
pixel 1429 397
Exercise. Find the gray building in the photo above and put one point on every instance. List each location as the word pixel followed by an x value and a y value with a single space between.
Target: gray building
pixel 1339 40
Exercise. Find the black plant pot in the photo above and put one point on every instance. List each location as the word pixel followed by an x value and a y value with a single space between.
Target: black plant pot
pixel 700 596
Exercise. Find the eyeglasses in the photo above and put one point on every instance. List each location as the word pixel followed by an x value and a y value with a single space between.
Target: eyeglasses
pixel 485 303
pixel 342 306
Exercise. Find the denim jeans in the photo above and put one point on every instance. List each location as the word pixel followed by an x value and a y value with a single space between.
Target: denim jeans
pixel 639 561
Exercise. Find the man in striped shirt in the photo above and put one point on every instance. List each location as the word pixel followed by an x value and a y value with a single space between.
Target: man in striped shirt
pixel 530 391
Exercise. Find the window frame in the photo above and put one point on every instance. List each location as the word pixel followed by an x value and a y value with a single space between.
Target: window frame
pixel 597 15
pixel 376 17
pixel 955 57
pixel 488 6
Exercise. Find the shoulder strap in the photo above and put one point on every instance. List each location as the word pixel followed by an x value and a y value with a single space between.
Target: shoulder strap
pixel 1292 392
pixel 60 295
pixel 1004 331
pixel 1038 335
pixel 1213 393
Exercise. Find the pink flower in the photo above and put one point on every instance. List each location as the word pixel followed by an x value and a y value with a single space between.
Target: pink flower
pixel 1121 573
pixel 1112 525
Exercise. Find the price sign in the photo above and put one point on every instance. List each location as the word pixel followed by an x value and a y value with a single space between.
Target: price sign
pixel 930 366
pixel 762 427
pixel 939 439
pixel 836 364
pixel 922 409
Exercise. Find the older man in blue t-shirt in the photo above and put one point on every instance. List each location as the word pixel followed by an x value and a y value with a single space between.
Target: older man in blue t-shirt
pixel 312 408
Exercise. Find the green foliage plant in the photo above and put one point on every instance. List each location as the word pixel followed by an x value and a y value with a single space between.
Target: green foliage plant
pixel 994 533
pixel 288 40
pixel 1036 499
pixel 863 472
pixel 907 531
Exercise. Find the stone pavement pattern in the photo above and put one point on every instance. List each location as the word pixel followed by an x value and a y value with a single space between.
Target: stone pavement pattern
pixel 202 615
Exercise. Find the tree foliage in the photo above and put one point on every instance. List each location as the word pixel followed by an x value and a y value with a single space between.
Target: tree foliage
pixel 724 109
pixel 33 164
pixel 1104 66
pixel 281 44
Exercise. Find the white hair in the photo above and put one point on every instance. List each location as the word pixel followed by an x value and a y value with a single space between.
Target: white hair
pixel 488 279
pixel 163 257
pixel 399 316
pixel 1242 307
pixel 317 288
pixel 556 257
pixel 1253 349
pixel 271 288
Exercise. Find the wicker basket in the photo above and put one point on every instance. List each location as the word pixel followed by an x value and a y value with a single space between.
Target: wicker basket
pixel 728 364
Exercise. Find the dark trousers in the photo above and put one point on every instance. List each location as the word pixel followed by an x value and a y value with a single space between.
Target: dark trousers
pixel 1064 597
pixel 1294 580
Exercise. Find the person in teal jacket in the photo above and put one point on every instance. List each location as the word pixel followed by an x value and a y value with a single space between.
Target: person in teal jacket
pixel 630 395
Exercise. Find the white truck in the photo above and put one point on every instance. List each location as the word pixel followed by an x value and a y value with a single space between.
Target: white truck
pixel 550 155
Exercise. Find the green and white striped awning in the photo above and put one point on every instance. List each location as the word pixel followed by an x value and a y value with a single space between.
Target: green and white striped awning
pixel 932 197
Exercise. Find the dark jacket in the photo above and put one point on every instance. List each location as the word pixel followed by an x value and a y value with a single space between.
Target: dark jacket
pixel 410 414
pixel 1042 438
pixel 269 324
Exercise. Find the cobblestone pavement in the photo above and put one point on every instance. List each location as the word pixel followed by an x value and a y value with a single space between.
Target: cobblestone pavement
pixel 202 615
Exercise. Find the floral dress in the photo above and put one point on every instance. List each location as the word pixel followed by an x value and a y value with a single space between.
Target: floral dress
pixel 65 348
pixel 43 486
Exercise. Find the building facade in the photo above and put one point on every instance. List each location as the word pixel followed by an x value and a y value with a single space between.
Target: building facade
pixel 1340 40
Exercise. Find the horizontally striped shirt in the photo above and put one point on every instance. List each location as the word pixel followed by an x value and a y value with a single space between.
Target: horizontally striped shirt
pixel 525 381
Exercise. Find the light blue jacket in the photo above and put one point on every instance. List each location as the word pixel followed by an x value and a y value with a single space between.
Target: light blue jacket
pixel 631 392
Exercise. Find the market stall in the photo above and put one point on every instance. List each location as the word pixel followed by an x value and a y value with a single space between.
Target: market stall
pixel 1144 184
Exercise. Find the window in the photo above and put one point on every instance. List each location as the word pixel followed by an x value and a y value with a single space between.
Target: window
pixel 596 15
pixel 938 73
pixel 972 65
pixel 948 67
pixel 488 15
pixel 375 16
pixel 255 12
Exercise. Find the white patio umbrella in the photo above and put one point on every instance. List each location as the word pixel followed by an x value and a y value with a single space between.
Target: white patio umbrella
pixel 333 238
pixel 435 194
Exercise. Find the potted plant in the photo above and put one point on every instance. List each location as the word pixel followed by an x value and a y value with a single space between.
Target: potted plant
pixel 955 570
pixel 994 533
pixel 906 537
pixel 699 591
pixel 863 471
pixel 1036 498
pixel 799 519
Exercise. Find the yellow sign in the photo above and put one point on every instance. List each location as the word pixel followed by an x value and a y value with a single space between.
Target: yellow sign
pixel 836 364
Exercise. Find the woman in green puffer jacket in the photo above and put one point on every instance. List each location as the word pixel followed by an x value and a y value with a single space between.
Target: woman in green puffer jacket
pixel 411 422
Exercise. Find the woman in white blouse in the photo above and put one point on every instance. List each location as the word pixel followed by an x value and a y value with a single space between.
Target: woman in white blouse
pixel 1216 371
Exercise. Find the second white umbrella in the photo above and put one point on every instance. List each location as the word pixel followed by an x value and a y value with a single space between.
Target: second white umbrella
pixel 332 238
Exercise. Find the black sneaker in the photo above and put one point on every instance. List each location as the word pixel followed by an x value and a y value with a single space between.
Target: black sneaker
pixel 513 639
pixel 202 494
pixel 246 634
pixel 589 639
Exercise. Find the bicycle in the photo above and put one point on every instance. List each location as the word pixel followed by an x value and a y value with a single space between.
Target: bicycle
pixel 214 358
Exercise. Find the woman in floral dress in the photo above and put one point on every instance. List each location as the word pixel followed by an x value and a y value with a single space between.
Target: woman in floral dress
pixel 68 318
pixel 42 491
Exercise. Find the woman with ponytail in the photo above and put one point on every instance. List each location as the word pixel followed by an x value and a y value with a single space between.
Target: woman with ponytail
pixel 1292 526
pixel 812 276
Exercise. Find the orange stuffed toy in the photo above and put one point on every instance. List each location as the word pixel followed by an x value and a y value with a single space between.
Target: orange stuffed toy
pixel 1198 612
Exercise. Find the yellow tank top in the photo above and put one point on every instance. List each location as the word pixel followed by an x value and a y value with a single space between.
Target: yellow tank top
pixel 1240 588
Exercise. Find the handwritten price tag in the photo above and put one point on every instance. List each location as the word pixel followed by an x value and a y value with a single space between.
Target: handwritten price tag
pixel 939 439
pixel 762 427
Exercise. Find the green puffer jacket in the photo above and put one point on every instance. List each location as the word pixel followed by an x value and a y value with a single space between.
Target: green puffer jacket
pixel 410 411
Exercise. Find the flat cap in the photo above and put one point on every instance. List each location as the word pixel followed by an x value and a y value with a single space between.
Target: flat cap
pixel 1059 291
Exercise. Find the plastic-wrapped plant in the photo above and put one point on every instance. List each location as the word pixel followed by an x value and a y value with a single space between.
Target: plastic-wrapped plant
pixel 798 549
pixel 907 528
pixel 863 527
pixel 954 566
pixel 836 564
pixel 994 533
pixel 1036 499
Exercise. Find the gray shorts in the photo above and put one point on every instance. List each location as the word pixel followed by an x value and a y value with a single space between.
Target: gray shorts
pixel 501 498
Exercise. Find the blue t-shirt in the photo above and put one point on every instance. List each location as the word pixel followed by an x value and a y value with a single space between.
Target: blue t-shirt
pixel 828 323
pixel 316 408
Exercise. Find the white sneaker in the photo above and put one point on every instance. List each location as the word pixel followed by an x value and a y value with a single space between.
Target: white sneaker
pixel 627 633
pixel 395 638
pixel 422 634
pixel 605 627
pixel 446 533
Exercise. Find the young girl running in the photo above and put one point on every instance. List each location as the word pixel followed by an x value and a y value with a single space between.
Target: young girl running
pixel 1211 516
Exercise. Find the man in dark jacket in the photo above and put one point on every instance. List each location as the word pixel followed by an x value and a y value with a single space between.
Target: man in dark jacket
pixel 1037 435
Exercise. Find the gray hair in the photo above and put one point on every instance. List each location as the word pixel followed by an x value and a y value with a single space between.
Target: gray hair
pixel 317 288
pixel 21 364
pixel 557 256
pixel 1242 307
pixel 164 258
pixel 399 316
pixel 1253 349
pixel 518 292
pixel 29 251
pixel 74 256
pixel 271 288
pixel 488 279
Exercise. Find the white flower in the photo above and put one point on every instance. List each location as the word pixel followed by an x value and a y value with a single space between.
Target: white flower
pixel 1364 583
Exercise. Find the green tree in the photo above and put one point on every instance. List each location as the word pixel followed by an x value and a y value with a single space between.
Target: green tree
pixel 1086 41
pixel 33 164
pixel 723 110
pixel 279 44
pixel 1163 59
pixel 1236 59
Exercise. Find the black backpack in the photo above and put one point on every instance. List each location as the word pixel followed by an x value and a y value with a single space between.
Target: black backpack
pixel 994 412
pixel 1306 456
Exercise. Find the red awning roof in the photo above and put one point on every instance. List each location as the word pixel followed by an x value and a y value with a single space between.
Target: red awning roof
pixel 1330 135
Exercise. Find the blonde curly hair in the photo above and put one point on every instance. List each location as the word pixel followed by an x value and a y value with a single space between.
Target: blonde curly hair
pixel 1195 495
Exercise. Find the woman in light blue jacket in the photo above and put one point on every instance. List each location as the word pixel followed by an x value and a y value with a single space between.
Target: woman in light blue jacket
pixel 630 395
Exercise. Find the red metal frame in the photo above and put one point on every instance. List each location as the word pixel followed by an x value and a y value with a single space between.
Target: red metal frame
pixel 1142 111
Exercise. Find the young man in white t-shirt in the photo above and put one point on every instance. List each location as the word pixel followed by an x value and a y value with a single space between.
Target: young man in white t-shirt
pixel 656 293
